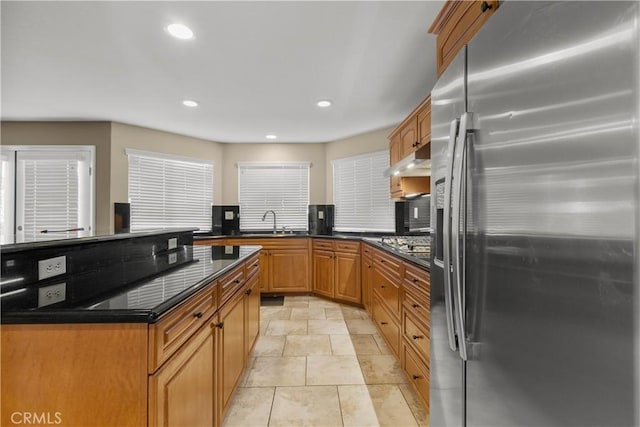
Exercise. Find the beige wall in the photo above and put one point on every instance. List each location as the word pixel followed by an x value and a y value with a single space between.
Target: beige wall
pixel 234 153
pixel 127 136
pixel 360 144
pixel 72 133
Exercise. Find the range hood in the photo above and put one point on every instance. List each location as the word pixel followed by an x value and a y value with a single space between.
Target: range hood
pixel 417 163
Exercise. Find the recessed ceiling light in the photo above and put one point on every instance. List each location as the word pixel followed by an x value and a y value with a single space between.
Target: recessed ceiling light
pixel 271 136
pixel 411 165
pixel 190 103
pixel 180 31
pixel 324 103
pixel 396 173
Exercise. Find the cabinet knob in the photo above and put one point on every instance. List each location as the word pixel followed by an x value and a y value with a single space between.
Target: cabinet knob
pixel 416 337
pixel 220 325
pixel 415 305
pixel 236 281
pixel 255 265
pixel 485 6
pixel 415 377
pixel 248 291
pixel 383 323
pixel 382 286
pixel 197 315
pixel 415 280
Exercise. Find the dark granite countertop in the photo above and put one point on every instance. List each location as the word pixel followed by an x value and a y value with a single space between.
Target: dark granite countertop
pixel 372 238
pixel 143 301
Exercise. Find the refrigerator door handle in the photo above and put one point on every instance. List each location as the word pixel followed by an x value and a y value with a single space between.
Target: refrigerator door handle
pixel 446 237
pixel 458 272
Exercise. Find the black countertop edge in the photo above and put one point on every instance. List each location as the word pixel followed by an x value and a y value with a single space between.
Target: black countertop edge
pixel 417 261
pixel 54 316
pixel 369 238
pixel 16 247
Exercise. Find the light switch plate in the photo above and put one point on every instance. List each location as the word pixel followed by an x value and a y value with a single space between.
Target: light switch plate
pixel 320 214
pixel 415 213
pixel 173 258
pixel 228 215
pixel 52 294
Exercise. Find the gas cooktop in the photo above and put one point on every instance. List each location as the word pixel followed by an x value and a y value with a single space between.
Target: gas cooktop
pixel 418 246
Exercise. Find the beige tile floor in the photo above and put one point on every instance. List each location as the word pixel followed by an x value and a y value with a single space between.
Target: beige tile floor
pixel 320 363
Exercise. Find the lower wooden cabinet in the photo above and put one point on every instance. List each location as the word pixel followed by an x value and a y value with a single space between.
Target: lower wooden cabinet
pixel 231 354
pixel 337 269
pixel 387 324
pixel 288 270
pixel 252 314
pixel 182 392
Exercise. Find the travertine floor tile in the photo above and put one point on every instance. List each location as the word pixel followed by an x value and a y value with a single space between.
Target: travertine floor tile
pixel 353 312
pixel 263 326
pixel 272 313
pixel 384 348
pixel 305 345
pixel 306 406
pixel 341 345
pixel 326 370
pixel 276 371
pixel 250 407
pixel 364 344
pixel 381 369
pixel 388 403
pixel 333 313
pixel 361 326
pixel 415 404
pixel 328 327
pixel 320 302
pixel 269 345
pixel 315 313
pixel 287 327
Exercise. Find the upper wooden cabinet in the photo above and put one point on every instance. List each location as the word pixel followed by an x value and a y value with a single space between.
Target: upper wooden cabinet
pixel 414 132
pixel 456 24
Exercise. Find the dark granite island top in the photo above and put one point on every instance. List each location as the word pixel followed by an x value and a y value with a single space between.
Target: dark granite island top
pixel 97 297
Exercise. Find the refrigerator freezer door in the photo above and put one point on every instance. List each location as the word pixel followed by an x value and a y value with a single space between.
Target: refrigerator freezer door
pixel 553 178
pixel 446 393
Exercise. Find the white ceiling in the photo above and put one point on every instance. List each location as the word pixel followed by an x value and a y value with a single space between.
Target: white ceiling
pixel 255 67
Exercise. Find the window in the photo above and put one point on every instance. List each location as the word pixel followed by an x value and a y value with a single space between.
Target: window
pixel 361 193
pixel 169 191
pixel 52 187
pixel 280 187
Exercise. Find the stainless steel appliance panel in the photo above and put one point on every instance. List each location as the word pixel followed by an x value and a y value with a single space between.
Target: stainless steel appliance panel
pixel 447 392
pixel 552 213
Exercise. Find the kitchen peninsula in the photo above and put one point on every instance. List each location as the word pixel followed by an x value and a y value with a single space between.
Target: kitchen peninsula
pixel 137 329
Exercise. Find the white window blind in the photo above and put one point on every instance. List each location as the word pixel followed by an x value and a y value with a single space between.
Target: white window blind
pixel 361 193
pixel 169 191
pixel 281 187
pixel 52 195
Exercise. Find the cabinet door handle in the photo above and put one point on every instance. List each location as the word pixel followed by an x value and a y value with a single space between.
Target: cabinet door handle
pixel 382 286
pixel 415 377
pixel 220 325
pixel 197 315
pixel 415 280
pixel 255 265
pixel 382 261
pixel 485 6
pixel 415 305
pixel 384 323
pixel 248 291
pixel 416 337
pixel 236 281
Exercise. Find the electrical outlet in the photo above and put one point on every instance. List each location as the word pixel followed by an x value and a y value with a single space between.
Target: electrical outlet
pixel 415 213
pixel 52 267
pixel 320 214
pixel 173 258
pixel 52 294
pixel 172 243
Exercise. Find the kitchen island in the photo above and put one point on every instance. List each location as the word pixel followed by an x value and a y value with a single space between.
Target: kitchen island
pixel 165 350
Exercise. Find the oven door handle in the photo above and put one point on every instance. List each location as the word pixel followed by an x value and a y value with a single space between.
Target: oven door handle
pixel 446 238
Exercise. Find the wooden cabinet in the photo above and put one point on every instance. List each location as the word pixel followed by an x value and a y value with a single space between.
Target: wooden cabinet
pixel 336 269
pixel 424 123
pixel 409 136
pixel 182 392
pixel 387 324
pixel 367 274
pixel 285 263
pixel 252 313
pixel 231 354
pixel 456 24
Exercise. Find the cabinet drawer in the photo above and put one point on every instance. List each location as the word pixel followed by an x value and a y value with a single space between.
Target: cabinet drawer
pixel 326 245
pixel 388 292
pixel 417 334
pixel 347 246
pixel 174 328
pixel 251 266
pixel 416 305
pixel 389 263
pixel 418 374
pixel 418 280
pixel 230 283
pixel 367 251
pixel 386 325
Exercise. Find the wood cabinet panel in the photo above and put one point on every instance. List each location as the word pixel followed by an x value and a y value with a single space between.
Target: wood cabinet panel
pixel 252 266
pixel 323 272
pixel 417 281
pixel 367 272
pixel 416 334
pixel 424 123
pixel 347 285
pixel 387 325
pixel 231 283
pixel 231 352
pixel 265 271
pixel 182 392
pixel 391 265
pixel 252 313
pixel 409 137
pixel 417 373
pixel 388 291
pixel 347 246
pixel 289 270
pixel 416 305
pixel 325 244
pixel 177 326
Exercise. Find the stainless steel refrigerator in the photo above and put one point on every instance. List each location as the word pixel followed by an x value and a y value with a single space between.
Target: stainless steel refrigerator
pixel 535 297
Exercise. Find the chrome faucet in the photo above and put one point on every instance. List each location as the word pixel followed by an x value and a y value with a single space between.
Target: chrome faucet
pixel 274 220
